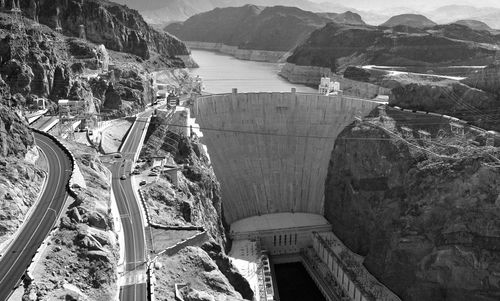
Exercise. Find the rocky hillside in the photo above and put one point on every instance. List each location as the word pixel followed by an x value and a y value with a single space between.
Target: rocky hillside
pixel 276 28
pixel 197 201
pixel 344 18
pixel 20 177
pixel 39 62
pixel 411 20
pixel 425 214
pixel 80 261
pixel 447 97
pixel 474 24
pixel 337 46
pixel 194 202
pixel 116 26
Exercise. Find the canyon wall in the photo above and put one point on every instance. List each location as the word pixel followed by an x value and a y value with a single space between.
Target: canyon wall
pixel 424 213
pixel 116 26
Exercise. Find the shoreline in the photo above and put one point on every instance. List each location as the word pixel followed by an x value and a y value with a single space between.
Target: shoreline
pixel 241 54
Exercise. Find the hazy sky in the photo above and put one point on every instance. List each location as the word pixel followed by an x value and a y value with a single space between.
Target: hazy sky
pixel 416 4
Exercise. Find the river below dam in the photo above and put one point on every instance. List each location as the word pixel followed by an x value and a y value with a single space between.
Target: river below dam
pixel 221 73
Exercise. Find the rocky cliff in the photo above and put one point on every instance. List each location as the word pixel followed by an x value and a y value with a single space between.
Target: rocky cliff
pixel 39 62
pixel 424 213
pixel 21 178
pixel 116 26
pixel 276 28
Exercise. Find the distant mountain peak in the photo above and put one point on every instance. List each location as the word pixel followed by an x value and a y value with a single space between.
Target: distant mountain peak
pixel 347 17
pixel 411 20
pixel 474 24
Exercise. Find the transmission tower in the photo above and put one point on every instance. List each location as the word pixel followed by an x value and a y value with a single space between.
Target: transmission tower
pixel 58 20
pixel 19 41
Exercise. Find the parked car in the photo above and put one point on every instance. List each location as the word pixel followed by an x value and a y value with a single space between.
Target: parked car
pixel 136 172
pixel 142 183
pixel 118 155
pixel 153 174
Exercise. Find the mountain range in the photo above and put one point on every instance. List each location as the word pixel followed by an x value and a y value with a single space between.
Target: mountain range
pixel 163 12
pixel 276 28
pixel 337 46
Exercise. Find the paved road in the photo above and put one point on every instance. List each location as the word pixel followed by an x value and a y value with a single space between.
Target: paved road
pixel 44 216
pixel 133 226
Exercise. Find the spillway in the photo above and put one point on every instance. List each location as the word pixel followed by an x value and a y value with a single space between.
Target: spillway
pixel 270 151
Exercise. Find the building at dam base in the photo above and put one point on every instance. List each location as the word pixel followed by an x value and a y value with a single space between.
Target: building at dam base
pixel 280 233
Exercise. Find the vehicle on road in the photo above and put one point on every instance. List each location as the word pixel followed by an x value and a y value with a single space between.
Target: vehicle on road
pixel 118 155
pixel 123 177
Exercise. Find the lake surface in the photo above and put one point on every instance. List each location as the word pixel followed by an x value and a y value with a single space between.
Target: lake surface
pixel 221 73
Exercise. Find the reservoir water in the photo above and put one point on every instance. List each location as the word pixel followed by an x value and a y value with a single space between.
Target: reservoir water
pixel 222 72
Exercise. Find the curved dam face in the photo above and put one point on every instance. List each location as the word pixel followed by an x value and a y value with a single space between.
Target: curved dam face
pixel 270 151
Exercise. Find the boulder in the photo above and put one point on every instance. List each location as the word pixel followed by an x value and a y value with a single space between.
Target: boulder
pixel 97 220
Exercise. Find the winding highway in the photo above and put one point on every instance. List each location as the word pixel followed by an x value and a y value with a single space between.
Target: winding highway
pixel 134 286
pixel 20 253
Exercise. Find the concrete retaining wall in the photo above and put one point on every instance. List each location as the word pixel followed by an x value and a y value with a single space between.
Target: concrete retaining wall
pixel 270 151
pixel 195 240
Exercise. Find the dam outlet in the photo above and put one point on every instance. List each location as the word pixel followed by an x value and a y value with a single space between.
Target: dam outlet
pixel 270 152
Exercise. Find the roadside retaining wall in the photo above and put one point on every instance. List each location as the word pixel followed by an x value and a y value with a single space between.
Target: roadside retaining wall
pixel 195 240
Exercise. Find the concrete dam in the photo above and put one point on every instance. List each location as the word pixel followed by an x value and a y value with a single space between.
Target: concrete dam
pixel 270 151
